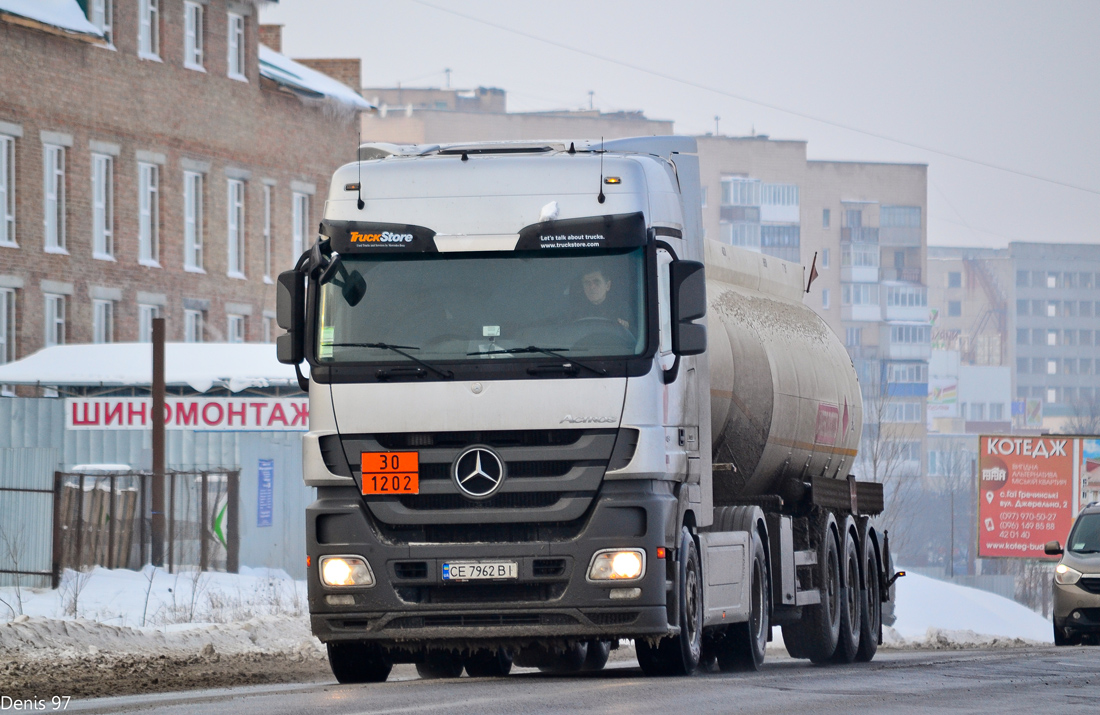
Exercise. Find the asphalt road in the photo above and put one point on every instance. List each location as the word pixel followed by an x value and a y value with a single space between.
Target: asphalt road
pixel 1024 680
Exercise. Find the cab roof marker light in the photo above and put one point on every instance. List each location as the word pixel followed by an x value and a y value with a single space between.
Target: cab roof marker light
pixel 612 180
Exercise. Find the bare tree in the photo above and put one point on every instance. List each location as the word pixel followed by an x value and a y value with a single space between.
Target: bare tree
pixel 1085 419
pixel 14 546
pixel 885 450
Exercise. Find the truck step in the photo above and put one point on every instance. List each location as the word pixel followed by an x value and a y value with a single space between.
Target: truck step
pixel 807 598
pixel 805 558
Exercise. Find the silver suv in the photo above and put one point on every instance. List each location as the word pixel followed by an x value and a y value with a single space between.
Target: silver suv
pixel 1077 581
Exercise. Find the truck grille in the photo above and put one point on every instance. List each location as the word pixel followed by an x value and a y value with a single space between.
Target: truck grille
pixel 481 593
pixel 1092 585
pixel 551 476
pixel 482 620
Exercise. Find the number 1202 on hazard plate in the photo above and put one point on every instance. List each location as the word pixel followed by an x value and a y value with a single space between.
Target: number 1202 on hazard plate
pixel 391 472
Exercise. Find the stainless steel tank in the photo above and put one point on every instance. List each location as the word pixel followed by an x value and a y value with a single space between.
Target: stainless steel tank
pixel 785 401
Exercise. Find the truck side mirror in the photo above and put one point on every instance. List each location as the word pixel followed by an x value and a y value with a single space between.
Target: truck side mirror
pixel 1052 548
pixel 290 314
pixel 688 303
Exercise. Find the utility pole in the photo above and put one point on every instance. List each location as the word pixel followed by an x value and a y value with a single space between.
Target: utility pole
pixel 591 104
pixel 448 73
pixel 157 418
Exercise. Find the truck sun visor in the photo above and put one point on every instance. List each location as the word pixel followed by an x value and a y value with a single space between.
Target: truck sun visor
pixel 361 237
pixel 612 231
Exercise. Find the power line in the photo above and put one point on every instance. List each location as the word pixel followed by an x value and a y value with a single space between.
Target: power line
pixel 742 98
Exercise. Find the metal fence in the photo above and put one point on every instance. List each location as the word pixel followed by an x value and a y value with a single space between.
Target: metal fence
pixel 27 488
pixel 106 519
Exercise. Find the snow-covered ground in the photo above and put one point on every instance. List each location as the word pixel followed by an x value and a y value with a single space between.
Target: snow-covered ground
pixel 264 610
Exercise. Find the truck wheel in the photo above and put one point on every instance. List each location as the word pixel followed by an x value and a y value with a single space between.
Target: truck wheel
pixel 440 664
pixel 488 663
pixel 744 644
pixel 679 654
pixel 870 631
pixel 851 597
pixel 358 663
pixel 570 660
pixel 598 653
pixel 815 636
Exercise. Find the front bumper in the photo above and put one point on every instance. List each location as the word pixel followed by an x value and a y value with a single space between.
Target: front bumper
pixel 1076 608
pixel 551 599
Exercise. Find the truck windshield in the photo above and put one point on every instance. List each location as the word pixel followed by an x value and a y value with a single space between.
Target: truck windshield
pixel 1085 537
pixel 480 306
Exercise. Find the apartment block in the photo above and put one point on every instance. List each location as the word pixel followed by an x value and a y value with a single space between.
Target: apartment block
pixel 864 226
pixel 155 160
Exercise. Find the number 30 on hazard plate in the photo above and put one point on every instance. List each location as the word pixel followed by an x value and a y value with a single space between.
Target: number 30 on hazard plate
pixel 391 472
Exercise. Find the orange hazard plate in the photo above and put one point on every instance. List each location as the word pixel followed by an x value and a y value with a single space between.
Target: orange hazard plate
pixel 391 472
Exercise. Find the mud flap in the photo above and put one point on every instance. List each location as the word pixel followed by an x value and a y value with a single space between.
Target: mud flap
pixel 726 580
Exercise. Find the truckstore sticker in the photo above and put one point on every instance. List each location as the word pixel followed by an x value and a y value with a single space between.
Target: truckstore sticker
pixel 202 414
pixel 1026 494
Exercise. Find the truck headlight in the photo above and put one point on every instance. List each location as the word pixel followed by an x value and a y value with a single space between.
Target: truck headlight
pixel 617 565
pixel 1065 575
pixel 346 571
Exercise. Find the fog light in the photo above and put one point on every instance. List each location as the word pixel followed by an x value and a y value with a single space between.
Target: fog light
pixel 345 571
pixel 617 565
pixel 1065 575
pixel 619 593
pixel 342 599
pixel 1077 615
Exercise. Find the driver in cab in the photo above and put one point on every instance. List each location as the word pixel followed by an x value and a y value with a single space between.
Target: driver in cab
pixel 600 302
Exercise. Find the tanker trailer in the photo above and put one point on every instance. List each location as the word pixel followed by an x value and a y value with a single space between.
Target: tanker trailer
pixel 786 419
pixel 546 414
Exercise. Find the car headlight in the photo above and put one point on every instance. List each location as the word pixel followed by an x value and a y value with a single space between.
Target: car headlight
pixel 345 571
pixel 1065 575
pixel 617 565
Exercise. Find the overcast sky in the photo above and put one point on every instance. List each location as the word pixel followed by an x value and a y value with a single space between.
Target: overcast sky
pixel 1011 84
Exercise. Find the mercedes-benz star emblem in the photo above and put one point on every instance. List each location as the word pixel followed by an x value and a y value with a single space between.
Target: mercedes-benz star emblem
pixel 478 472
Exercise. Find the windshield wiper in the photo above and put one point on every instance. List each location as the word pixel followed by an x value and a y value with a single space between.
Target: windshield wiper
pixel 552 352
pixel 400 350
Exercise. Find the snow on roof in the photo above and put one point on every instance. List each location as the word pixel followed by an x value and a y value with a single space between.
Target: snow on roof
pixel 305 81
pixel 201 366
pixel 65 14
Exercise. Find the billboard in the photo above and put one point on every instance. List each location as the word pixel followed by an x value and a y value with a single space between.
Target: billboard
pixel 943 397
pixel 1027 493
pixel 208 414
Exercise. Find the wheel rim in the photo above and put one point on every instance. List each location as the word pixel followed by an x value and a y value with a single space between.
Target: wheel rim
pixel 691 602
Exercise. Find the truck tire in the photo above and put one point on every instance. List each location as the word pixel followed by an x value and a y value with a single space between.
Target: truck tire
pixel 679 654
pixel 816 635
pixel 440 664
pixel 851 595
pixel 870 632
pixel 358 663
pixel 744 643
pixel 598 653
pixel 570 660
pixel 488 663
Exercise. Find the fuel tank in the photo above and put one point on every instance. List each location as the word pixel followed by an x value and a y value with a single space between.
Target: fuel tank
pixel 785 401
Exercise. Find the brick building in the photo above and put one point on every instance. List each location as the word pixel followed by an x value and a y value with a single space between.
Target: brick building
pixel 155 159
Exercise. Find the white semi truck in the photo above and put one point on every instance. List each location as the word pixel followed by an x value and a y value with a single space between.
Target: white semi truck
pixel 537 429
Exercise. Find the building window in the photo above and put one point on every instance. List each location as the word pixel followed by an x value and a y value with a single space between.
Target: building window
pixel 1069 337
pixel 1052 309
pixel 954 308
pixel 899 217
pixel 853 337
pixel 235 329
pixel 907 372
pixel 1085 366
pixel 826 218
pixel 1037 366
pixel 236 46
pixel 146 313
pixel 1022 365
pixel 103 209
pixel 1021 279
pixel 192 326
pixel 301 223
pixel 977 412
pixel 192 221
pixel 903 412
pixel 1052 280
pixel 825 298
pixel 235 228
pixel 192 36
pixel 909 297
pixel 7 325
pixel 1052 395
pixel 1052 367
pixel 7 190
pixel 1086 337
pixel 824 257
pixel 55 319
pixel 103 321
pixel 269 328
pixel 909 334
pixel 149 214
pixel 149 28
pixel 859 294
pixel 954 279
pixel 100 14
pixel 1086 280
pixel 267 234
pixel 740 191
pixel 1022 336
pixel 1021 307
pixel 1086 309
pixel 53 169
